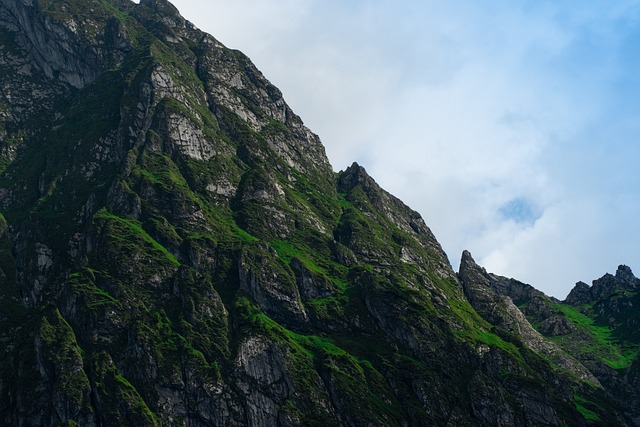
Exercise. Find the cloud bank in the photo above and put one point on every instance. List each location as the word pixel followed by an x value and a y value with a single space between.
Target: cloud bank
pixel 512 127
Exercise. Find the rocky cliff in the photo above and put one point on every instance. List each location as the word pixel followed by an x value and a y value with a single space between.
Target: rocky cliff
pixel 594 332
pixel 175 249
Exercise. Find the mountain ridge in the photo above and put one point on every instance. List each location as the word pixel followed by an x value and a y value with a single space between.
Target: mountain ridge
pixel 176 249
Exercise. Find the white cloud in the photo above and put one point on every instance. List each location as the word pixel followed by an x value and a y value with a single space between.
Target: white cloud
pixel 573 241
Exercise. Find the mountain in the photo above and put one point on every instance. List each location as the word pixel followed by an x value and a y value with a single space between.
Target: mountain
pixel 176 249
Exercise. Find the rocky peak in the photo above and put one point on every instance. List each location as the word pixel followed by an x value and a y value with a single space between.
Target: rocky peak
pixel 355 179
pixel 467 259
pixel 165 21
pixel 579 295
pixel 468 264
pixel 626 279
pixel 604 287
pixel 475 280
pixel 164 6
pixel 356 175
pixel 485 291
pixel 520 293
pixel 477 285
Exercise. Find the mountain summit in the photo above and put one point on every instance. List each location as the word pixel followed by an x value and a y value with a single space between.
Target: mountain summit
pixel 175 249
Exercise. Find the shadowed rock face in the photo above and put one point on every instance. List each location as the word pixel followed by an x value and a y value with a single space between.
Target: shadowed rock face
pixel 175 249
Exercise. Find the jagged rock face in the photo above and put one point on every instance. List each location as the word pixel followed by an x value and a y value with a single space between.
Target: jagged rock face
pixel 611 305
pixel 579 295
pixel 175 249
pixel 595 324
pixel 613 297
pixel 611 300
pixel 487 294
pixel 556 325
pixel 66 44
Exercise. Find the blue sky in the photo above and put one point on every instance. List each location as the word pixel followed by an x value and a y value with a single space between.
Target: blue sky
pixel 513 127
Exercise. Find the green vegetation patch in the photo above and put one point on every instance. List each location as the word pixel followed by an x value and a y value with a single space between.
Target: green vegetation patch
pixel 287 251
pixel 130 232
pixel 171 348
pixel 330 307
pixel 603 344
pixel 61 350
pixel 159 171
pixel 475 329
pixel 494 340
pixel 117 396
pixel 358 384
pixel 316 262
pixel 582 405
pixel 158 168
pixel 83 283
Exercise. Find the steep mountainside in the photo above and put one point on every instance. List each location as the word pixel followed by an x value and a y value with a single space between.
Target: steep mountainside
pixel 598 325
pixel 175 249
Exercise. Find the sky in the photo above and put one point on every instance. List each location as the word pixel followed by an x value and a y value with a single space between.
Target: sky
pixel 513 127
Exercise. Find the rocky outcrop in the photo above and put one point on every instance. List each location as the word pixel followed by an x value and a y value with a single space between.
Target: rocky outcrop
pixel 359 187
pixel 556 325
pixel 64 42
pixel 484 292
pixel 604 288
pixel 594 324
pixel 579 295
